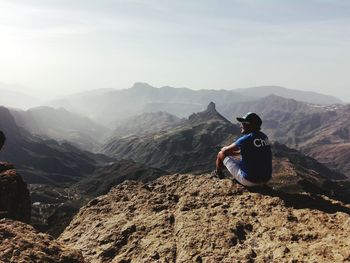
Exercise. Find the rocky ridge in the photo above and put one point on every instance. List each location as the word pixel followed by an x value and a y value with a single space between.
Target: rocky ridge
pixel 21 243
pixel 187 218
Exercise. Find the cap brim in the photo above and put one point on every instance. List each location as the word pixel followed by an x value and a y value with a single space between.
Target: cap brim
pixel 240 119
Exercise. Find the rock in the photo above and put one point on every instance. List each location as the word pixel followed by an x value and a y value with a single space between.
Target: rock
pixel 283 229
pixel 2 139
pixel 14 195
pixel 20 242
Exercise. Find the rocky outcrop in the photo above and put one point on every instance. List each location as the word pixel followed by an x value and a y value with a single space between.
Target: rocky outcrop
pixel 2 139
pixel 209 114
pixel 187 218
pixel 19 242
pixel 14 195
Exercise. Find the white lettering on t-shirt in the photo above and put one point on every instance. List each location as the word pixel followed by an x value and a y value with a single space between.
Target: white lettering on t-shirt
pixel 261 142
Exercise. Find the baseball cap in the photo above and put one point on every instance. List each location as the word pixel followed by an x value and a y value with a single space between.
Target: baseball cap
pixel 251 118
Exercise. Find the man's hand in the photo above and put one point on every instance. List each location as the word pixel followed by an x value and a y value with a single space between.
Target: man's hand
pixel 223 149
pixel 230 150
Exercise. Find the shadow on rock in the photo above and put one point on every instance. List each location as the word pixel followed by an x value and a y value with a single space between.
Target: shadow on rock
pixel 302 201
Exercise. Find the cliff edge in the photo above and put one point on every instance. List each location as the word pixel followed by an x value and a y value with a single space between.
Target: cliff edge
pixel 187 218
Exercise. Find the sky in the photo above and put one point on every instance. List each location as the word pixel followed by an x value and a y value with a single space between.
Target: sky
pixel 53 47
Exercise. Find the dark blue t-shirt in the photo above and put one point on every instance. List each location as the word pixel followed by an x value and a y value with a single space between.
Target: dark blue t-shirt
pixel 256 163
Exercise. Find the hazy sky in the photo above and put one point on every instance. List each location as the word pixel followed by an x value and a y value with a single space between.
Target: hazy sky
pixel 63 46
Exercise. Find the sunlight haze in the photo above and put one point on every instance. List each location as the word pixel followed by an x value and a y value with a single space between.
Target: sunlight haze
pixel 51 48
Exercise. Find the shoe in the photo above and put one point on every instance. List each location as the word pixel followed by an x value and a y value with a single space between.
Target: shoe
pixel 217 174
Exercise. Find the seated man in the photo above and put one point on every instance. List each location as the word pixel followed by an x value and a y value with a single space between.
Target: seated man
pixel 255 165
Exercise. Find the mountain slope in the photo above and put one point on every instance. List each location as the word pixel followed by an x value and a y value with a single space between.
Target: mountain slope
pixel 319 131
pixel 15 99
pixel 60 124
pixel 44 161
pixel 306 96
pixel 186 218
pixel 145 123
pixel 270 108
pixel 189 146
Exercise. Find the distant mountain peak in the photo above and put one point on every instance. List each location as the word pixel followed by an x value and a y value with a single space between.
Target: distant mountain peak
pixel 141 85
pixel 211 107
pixel 209 114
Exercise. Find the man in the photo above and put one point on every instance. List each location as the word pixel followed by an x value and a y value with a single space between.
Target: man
pixel 255 165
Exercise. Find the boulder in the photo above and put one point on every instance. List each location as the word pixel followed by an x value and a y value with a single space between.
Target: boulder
pixel 14 195
pixel 2 139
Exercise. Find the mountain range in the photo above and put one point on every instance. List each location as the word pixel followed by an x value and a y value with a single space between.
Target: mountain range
pixel 141 97
pixel 305 96
pixel 132 140
pixel 190 146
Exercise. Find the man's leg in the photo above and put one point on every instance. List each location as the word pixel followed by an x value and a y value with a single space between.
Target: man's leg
pixel 232 166
pixel 219 166
pixel 219 161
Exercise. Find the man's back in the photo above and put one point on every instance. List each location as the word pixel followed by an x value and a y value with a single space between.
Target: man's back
pixel 256 154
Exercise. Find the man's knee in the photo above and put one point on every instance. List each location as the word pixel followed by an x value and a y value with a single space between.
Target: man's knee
pixel 221 155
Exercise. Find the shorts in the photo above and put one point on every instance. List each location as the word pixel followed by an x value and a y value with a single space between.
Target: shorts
pixel 232 166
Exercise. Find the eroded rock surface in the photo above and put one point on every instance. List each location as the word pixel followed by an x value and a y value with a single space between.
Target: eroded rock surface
pixel 20 243
pixel 14 195
pixel 186 218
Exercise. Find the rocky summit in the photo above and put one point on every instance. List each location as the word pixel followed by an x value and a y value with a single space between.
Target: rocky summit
pixel 20 243
pixel 188 218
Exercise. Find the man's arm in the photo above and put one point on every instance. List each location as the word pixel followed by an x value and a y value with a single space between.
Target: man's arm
pixel 230 150
pixel 225 151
